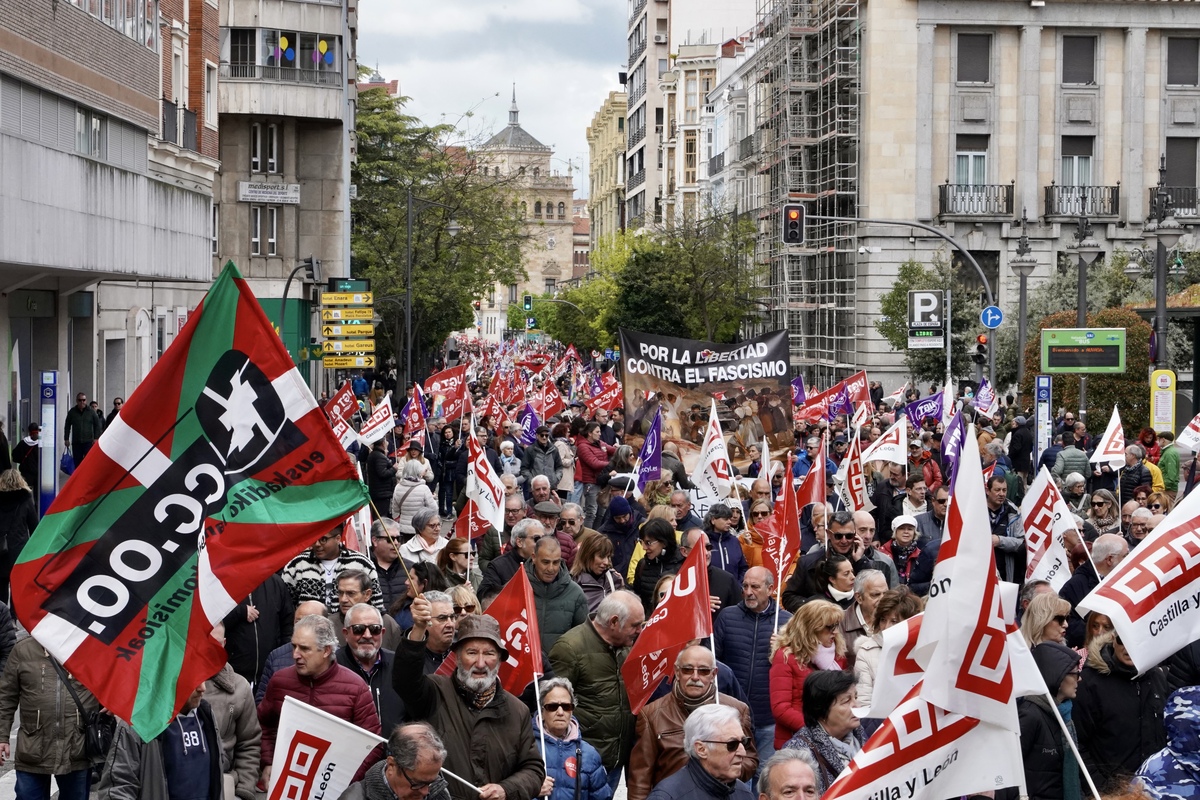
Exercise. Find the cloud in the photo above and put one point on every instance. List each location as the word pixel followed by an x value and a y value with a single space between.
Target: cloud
pixel 465 55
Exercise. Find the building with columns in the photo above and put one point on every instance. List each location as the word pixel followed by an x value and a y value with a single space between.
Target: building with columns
pixel 544 198
pixel 606 166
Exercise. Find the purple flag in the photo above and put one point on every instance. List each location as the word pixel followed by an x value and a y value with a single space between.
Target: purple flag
pixel 529 425
pixel 924 408
pixel 985 398
pixel 952 441
pixel 840 403
pixel 798 395
pixel 650 457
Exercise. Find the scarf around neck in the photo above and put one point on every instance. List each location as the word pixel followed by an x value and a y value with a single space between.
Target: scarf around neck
pixel 474 700
pixel 689 705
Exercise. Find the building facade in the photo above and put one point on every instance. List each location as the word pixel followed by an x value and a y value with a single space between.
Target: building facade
pixel 544 199
pixel 107 159
pixel 606 165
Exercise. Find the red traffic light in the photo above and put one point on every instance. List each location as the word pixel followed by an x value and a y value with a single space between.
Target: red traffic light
pixel 982 339
pixel 477 305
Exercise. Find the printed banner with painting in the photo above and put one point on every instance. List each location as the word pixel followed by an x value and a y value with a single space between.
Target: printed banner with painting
pixel 750 382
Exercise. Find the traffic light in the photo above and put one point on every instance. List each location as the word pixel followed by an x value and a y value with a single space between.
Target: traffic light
pixel 527 302
pixel 793 224
pixel 980 354
pixel 477 305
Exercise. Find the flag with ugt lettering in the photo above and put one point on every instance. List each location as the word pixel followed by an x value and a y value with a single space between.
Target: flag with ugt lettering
pixel 220 469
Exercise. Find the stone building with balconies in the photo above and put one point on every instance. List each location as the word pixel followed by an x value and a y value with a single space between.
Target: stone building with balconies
pixel 606 168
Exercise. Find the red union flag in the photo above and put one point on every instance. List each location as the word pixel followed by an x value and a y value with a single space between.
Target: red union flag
pixel 552 401
pixel 343 404
pixel 492 409
pixel 1111 449
pixel 218 471
pixel 381 422
pixel 684 614
pixel 781 533
pixel 413 416
pixel 470 525
pixel 969 670
pixel 1153 596
pixel 812 487
pixel 610 397
pixel 513 608
pixel 316 753
pixel 922 751
pixel 447 393
pixel 1046 518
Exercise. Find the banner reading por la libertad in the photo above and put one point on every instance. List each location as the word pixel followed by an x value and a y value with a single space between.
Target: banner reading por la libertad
pixel 750 382
pixel 218 470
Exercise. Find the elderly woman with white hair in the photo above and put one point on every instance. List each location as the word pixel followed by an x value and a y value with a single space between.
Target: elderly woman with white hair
pixel 428 542
pixel 410 496
pixel 574 769
pixel 1074 490
pixel 716 746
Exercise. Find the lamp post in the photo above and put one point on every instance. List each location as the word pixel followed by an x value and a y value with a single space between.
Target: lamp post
pixel 1023 266
pixel 1086 248
pixel 311 268
pixel 1162 226
pixel 453 228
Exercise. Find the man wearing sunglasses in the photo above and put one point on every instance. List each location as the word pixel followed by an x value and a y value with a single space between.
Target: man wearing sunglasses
pixel 354 587
pixel 412 770
pixel 659 751
pixel 843 538
pixel 716 743
pixel 365 656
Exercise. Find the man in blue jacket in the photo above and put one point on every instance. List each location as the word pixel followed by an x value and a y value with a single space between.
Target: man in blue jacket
pixel 743 640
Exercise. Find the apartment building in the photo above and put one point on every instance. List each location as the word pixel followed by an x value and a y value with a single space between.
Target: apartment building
pixel 606 140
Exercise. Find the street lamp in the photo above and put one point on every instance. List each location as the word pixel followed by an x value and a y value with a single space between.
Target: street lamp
pixel 311 267
pixel 1022 266
pixel 1162 226
pixel 452 228
pixel 1087 249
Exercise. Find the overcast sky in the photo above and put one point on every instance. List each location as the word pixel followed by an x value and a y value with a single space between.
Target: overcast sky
pixel 455 56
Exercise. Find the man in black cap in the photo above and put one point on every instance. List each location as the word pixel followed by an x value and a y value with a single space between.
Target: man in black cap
pixel 547 513
pixel 542 459
pixel 487 731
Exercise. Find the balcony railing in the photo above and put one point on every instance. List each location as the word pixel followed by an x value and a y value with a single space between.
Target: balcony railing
pixel 716 164
pixel 637 93
pixel 635 180
pixel 1083 201
pixel 636 136
pixel 637 9
pixel 261 72
pixel 1183 200
pixel 178 125
pixel 746 148
pixel 636 51
pixel 976 200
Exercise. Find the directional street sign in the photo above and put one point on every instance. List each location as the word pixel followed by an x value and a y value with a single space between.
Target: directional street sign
pixel 350 346
pixel 339 314
pixel 344 362
pixel 347 298
pixel 991 317
pixel 346 331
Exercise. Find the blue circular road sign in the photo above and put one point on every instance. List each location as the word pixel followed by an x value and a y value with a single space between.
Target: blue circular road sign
pixel 991 317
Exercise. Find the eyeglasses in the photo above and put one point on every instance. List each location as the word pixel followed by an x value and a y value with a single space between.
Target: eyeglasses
pixel 831 628
pixel 733 744
pixel 513 510
pixel 460 552
pixel 329 537
pixel 1117 641
pixel 1099 503
pixel 568 521
pixel 460 611
pixel 550 708
pixel 939 502
pixel 759 514
pixel 442 619
pixel 703 672
pixel 411 783
pixel 359 630
pixel 844 536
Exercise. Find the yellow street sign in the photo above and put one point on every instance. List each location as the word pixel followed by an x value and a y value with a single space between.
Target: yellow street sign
pixel 346 331
pixel 347 298
pixel 338 314
pixel 343 362
pixel 350 346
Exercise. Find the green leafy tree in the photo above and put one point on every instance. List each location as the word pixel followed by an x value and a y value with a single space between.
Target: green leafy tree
pixel 929 365
pixel 397 152
pixel 648 296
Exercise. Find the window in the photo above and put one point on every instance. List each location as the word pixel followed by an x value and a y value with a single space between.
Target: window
pixel 492 297
pixel 689 157
pixel 512 293
pixel 537 171
pixel 160 335
pixel 255 147
pixel 970 159
pixel 272 230
pixel 524 210
pixel 216 226
pixel 537 210
pixel 242 52
pixel 562 210
pixel 549 285
pixel 620 124
pixel 272 147
pixel 1077 160
pixel 1079 60
pixel 89 133
pixel 1181 161
pixel 255 230
pixel 1183 61
pixel 974 58
pixel 210 94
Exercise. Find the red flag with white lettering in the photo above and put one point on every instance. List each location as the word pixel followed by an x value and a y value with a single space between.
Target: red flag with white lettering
pixel 470 523
pixel 343 404
pixel 513 608
pixel 781 533
pixel 1153 596
pixel 684 614
pixel 447 393
pixel 483 484
pixel 812 486
pixel 552 401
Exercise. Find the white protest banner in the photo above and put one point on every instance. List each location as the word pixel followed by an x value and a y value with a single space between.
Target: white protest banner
pixel 1111 449
pixel 316 754
pixel 898 671
pixel 892 446
pixel 1046 518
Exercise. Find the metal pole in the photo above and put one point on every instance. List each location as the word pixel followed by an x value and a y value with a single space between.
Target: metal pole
pixel 408 293
pixel 283 305
pixel 1081 322
pixel 1021 335
pixel 1160 306
pixel 949 337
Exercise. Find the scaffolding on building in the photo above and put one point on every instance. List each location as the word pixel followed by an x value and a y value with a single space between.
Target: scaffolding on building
pixel 806 96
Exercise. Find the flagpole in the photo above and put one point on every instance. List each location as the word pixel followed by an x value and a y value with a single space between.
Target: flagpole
pixel 778 600
pixel 463 781
pixel 712 644
pixel 1071 743
pixel 537 691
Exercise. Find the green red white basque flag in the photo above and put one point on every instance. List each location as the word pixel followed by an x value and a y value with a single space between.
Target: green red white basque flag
pixel 218 470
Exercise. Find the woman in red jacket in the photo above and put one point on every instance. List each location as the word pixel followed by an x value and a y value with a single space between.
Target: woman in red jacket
pixel 811 640
pixel 591 456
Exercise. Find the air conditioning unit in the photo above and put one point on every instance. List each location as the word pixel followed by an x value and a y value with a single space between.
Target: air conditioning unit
pixel 660 38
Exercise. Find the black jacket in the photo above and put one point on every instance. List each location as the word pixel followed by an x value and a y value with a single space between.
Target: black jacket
pixel 499 571
pixel 393 582
pixel 1042 748
pixel 724 587
pixel 249 643
pixel 647 574
pixel 1020 448
pixel 388 704
pixel 18 518
pixel 1131 479
pixel 1077 587
pixel 801 585
pixel 1119 717
pixel 381 478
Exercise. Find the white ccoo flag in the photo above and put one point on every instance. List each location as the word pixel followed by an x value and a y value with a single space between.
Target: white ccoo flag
pixel 713 473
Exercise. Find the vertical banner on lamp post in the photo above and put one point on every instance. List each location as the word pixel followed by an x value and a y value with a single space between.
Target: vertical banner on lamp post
pixel 1162 400
pixel 1043 414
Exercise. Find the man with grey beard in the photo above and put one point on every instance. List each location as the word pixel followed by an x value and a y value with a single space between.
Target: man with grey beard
pixel 659 751
pixel 365 656
pixel 487 731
